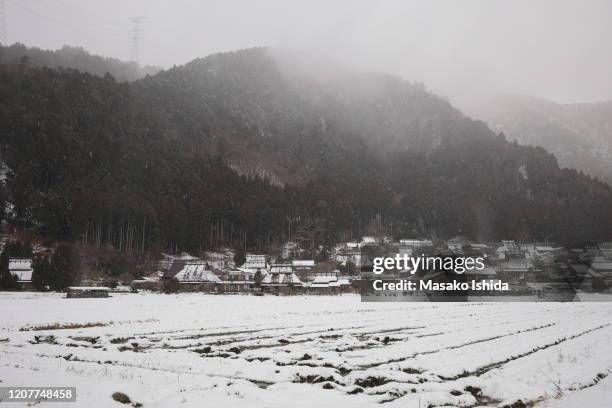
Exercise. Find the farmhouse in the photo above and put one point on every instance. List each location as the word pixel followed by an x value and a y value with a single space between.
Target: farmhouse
pixel 22 268
pixel 254 262
pixel 516 270
pixel 369 242
pixel 348 253
pixel 303 265
pixel 237 281
pixel 281 278
pixel 329 283
pixel 168 261
pixel 196 272
pixel 149 282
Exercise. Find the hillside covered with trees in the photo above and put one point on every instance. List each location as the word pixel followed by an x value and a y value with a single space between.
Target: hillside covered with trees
pixel 579 135
pixel 75 58
pixel 231 148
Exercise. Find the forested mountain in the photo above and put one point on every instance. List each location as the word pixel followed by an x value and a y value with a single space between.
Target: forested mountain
pixel 73 57
pixel 230 148
pixel 579 135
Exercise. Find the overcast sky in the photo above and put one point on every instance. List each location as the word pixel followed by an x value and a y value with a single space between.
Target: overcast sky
pixel 559 50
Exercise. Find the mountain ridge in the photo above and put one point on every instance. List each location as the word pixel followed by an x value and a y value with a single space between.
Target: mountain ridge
pixel 579 134
pixel 174 160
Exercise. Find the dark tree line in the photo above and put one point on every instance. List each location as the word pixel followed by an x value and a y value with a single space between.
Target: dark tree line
pixel 152 164
pixel 58 271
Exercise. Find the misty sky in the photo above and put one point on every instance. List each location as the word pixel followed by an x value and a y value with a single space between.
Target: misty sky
pixel 559 50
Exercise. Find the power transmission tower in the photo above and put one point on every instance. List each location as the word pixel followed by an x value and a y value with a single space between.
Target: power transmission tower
pixel 136 32
pixel 3 39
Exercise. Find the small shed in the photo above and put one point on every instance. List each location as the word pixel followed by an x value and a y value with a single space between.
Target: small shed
pixel 87 292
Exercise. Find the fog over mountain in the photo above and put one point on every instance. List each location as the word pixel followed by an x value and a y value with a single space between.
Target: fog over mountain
pixel 558 50
pixel 239 143
pixel 351 118
pixel 579 135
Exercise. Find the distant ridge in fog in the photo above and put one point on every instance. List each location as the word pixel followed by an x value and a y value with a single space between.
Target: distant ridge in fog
pixel 76 58
pixel 579 135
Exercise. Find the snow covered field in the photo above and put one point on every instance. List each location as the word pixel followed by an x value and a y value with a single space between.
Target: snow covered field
pixel 194 350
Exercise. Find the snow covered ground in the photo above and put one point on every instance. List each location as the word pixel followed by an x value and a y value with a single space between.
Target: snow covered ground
pixel 193 350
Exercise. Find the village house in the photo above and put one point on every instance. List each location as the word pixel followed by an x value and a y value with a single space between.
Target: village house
pixel 303 268
pixel 601 266
pixel 369 241
pixel 195 276
pixel 605 249
pixel 174 262
pixel 516 271
pixel 416 243
pixel 252 264
pixel 236 281
pixel 151 281
pixel 349 252
pixel 220 260
pixel 330 283
pixel 281 279
pixel 22 268
pixel 303 265
pixel 510 249
pixel 255 262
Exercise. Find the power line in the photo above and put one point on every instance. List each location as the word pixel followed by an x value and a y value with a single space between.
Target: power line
pixel 136 32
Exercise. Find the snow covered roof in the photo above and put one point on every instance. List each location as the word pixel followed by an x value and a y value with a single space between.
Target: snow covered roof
pixel 304 263
pixel 281 268
pixel 344 280
pixel 249 271
pixel 196 272
pixel 149 278
pixel 324 279
pixel 415 242
pixel 22 267
pixel 255 261
pixel 280 279
pixel 88 288
pixel 329 280
pixel 20 264
pixel 479 246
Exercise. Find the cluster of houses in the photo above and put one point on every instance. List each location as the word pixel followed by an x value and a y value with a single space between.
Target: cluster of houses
pixel 526 267
pixel 218 273
pixel 530 266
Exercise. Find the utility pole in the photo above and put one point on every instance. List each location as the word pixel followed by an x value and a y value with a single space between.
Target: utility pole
pixel 136 32
pixel 3 39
